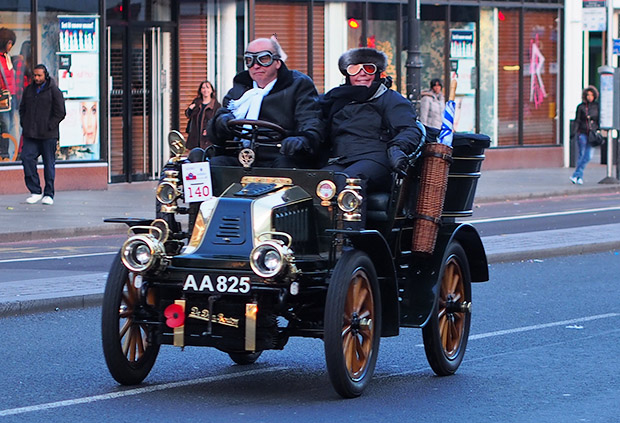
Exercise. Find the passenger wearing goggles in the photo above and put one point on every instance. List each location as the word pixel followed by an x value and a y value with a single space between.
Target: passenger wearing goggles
pixel 270 91
pixel 372 128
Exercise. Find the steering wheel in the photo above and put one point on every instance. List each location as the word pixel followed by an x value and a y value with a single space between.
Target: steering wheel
pixel 258 131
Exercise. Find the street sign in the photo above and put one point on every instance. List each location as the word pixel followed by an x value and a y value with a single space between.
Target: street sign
pixel 594 15
pixel 609 97
pixel 616 46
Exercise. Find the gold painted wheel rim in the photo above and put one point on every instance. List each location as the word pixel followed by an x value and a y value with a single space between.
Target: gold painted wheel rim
pixel 358 325
pixel 132 336
pixel 451 323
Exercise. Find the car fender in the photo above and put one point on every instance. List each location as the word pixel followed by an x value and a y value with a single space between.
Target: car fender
pixel 422 276
pixel 375 245
pixel 469 238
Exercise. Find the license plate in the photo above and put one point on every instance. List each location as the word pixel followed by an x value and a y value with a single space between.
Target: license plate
pixel 217 284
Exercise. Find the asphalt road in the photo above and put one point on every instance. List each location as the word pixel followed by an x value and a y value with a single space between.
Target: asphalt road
pixel 538 214
pixel 542 349
pixel 94 254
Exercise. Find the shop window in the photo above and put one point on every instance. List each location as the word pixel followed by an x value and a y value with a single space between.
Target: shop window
pixel 463 63
pixel 432 41
pixel 540 77
pixel 17 75
pixel 508 77
pixel 69 47
pixel 381 33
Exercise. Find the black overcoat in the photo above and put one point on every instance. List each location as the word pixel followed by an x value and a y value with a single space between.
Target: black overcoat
pixel 41 113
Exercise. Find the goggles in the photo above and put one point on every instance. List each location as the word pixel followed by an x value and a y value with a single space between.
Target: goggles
pixel 263 58
pixel 368 68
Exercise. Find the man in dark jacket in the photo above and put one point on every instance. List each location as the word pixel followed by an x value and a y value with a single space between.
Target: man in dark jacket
pixel 41 111
pixel 269 91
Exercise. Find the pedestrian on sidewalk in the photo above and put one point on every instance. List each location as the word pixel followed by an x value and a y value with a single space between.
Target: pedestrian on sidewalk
pixel 432 104
pixel 586 120
pixel 199 112
pixel 41 111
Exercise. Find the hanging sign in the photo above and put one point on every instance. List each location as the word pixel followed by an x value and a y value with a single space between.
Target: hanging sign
pixel 594 15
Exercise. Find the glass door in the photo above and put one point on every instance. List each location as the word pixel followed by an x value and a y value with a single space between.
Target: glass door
pixel 139 98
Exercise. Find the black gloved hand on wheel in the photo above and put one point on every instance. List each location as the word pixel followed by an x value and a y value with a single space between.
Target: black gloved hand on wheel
pixel 398 160
pixel 222 130
pixel 297 144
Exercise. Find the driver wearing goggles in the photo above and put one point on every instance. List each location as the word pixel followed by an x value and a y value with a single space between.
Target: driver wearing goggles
pixel 269 91
pixel 262 58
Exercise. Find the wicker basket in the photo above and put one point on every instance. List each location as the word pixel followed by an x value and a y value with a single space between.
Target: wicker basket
pixel 434 180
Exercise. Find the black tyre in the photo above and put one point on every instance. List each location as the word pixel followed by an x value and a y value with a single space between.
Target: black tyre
pixel 128 353
pixel 245 358
pixel 352 324
pixel 445 335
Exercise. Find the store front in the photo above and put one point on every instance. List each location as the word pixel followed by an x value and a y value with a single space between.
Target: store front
pixel 67 34
pixel 115 71
pixel 129 68
pixel 139 71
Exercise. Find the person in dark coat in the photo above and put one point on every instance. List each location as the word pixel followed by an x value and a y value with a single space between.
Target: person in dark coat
pixel 270 91
pixel 41 110
pixel 586 120
pixel 371 127
pixel 199 112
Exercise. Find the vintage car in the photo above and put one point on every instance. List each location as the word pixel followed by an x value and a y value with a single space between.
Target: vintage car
pixel 275 253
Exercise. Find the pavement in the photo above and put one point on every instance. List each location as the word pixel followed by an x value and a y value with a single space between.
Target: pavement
pixel 81 213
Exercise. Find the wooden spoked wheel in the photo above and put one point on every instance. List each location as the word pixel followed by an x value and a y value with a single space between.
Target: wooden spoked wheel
pixel 358 329
pixel 451 322
pixel 446 333
pixel 352 323
pixel 128 349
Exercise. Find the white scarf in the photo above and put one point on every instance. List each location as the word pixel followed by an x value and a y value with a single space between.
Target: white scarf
pixel 248 106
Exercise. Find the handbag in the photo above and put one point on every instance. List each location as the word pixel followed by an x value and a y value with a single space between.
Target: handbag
pixel 5 95
pixel 595 138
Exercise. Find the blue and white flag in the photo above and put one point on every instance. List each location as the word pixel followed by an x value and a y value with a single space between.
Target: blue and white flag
pixel 447 125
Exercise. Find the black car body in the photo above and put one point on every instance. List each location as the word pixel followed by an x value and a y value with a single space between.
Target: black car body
pixel 278 253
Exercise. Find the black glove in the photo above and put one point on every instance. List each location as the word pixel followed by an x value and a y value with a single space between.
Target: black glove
pixel 221 128
pixel 292 145
pixel 398 160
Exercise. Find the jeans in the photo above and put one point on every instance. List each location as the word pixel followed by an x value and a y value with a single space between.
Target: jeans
pixel 32 149
pixel 585 155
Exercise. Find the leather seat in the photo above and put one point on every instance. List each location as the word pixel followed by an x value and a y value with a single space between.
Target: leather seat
pixel 377 206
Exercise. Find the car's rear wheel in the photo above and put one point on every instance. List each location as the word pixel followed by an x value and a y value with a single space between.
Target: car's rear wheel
pixel 445 335
pixel 244 358
pixel 352 326
pixel 128 347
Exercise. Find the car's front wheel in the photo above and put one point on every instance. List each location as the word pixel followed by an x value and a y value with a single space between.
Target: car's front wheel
pixel 352 326
pixel 129 347
pixel 445 335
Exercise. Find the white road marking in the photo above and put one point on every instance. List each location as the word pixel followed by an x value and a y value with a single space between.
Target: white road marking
pixel 57 257
pixel 534 216
pixel 544 326
pixel 135 391
pixel 540 326
pixel 172 385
